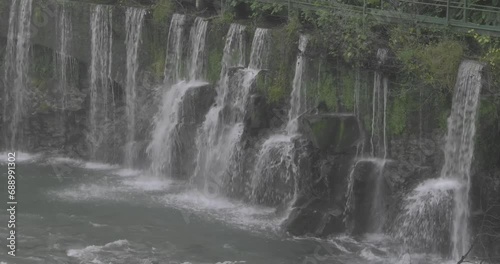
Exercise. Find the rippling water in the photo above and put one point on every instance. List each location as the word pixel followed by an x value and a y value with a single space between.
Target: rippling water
pixel 71 211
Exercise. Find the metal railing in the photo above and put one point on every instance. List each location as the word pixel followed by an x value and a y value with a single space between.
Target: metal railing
pixel 458 14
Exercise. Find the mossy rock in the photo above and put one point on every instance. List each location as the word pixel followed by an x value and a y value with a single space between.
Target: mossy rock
pixel 337 132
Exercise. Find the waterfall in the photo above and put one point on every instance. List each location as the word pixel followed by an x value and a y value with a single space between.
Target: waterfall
pixel 261 49
pixel 162 148
pixel 424 222
pixel 165 137
pixel 297 99
pixel 197 38
pixel 378 138
pixel 459 149
pixel 447 198
pixel 63 62
pixel 133 23
pixel 377 158
pixel 221 131
pixel 100 78
pixel 17 61
pixel 379 144
pixel 275 165
pixel 173 65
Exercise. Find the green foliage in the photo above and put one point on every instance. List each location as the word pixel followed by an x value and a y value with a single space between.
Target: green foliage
pixel 490 48
pixel 488 125
pixel 282 57
pixel 277 89
pixel 266 9
pixel 214 65
pixel 348 87
pixel 347 37
pixel 327 92
pixel 158 65
pixel 162 12
pixel 488 111
pixel 223 19
pixel 398 115
pixel 435 63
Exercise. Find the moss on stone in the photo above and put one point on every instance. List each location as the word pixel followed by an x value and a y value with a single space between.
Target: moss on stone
pixel 398 115
pixel 162 11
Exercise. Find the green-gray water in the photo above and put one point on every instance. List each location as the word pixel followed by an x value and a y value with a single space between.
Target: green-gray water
pixel 76 212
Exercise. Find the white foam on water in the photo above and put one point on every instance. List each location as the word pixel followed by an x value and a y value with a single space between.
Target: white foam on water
pixel 91 253
pixel 368 255
pixel 144 183
pixel 89 192
pixel 236 213
pixel 127 172
pixel 96 224
pixel 99 166
pixel 66 160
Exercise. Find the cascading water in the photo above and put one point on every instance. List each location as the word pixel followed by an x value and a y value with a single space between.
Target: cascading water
pixel 448 195
pixel 298 99
pixel 64 64
pixel 173 67
pixel 273 177
pixel 221 131
pixel 378 138
pixel 377 157
pixel 459 149
pixel 133 23
pixel 16 80
pixel 206 140
pixel 197 38
pixel 165 138
pixel 100 78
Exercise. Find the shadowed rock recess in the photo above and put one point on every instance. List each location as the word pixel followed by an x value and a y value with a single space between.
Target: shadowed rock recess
pixel 340 129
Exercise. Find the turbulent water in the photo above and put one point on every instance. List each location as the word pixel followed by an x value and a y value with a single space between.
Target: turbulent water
pixel 133 23
pixel 221 129
pixel 164 145
pixel 274 177
pixel 16 69
pixel 447 198
pixel 86 212
pixel 101 97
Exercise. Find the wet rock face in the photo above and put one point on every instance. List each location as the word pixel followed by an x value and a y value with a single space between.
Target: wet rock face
pixel 196 103
pixel 319 209
pixel 257 117
pixel 331 132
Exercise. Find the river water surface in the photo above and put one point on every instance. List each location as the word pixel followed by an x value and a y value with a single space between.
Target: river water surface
pixel 71 211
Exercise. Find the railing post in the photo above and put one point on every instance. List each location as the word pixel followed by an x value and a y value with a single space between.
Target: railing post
pixel 447 12
pixel 364 9
pixel 465 11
